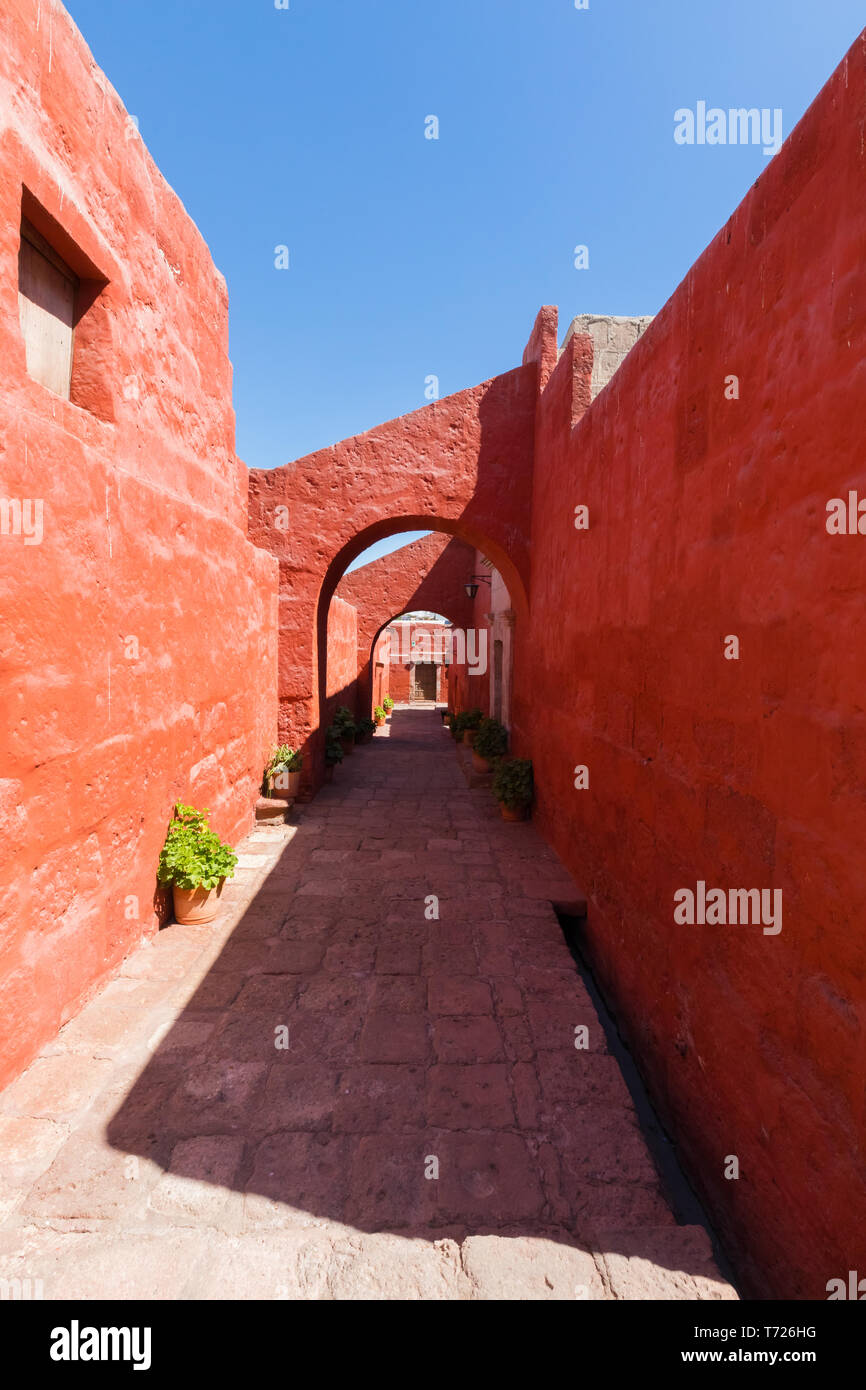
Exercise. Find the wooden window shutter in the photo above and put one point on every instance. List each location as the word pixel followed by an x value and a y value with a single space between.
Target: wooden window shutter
pixel 47 291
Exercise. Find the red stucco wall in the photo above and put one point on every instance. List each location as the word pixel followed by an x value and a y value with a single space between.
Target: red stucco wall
pixel 144 548
pixel 707 518
pixel 342 655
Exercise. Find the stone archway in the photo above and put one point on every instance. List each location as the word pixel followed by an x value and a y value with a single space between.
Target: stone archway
pixel 462 465
pixel 427 574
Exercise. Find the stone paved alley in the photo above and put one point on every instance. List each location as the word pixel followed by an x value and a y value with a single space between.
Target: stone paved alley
pixel 165 1108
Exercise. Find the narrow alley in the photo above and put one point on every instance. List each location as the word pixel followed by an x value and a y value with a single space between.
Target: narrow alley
pixel 361 1081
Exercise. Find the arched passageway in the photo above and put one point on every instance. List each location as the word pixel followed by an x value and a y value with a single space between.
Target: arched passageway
pixel 429 574
pixel 442 588
pixel 462 466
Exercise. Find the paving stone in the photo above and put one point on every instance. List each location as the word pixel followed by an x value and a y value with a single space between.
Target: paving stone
pixel 468 1038
pixel 56 1087
pixel 195 1191
pixel 457 994
pixel 372 1098
pixel 91 1180
pixel 520 1268
pixel 674 1262
pixel 469 1097
pixel 81 1266
pixel 297 1097
pixel 395 1038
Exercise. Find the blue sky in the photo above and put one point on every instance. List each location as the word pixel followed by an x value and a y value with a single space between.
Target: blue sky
pixel 412 257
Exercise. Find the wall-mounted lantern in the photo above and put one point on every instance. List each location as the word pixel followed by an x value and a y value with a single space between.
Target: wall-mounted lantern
pixel 474 580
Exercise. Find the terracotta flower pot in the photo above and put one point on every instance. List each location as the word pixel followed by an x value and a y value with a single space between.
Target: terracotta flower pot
pixel 469 736
pixel 379 723
pixel 348 744
pixel 195 906
pixel 479 764
pixel 286 784
pixel 514 812
pixel 329 772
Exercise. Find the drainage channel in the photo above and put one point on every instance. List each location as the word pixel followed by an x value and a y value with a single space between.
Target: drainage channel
pixel 678 1190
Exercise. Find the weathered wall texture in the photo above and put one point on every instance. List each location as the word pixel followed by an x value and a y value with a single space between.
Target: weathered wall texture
pixel 342 655
pixel 707 519
pixel 138 638
pixel 613 338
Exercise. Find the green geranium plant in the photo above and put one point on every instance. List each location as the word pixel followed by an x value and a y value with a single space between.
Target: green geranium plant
pixel 512 782
pixel 491 740
pixel 333 745
pixel 388 703
pixel 193 855
pixel 469 719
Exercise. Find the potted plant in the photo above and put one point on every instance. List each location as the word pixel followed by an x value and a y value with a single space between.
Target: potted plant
pixel 344 722
pixel 333 751
pixel 471 722
pixel 444 714
pixel 196 863
pixel 388 703
pixel 365 730
pixel 379 715
pixel 283 772
pixel 512 787
pixel 490 743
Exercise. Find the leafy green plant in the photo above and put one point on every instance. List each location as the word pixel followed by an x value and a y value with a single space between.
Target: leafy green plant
pixel 344 722
pixel 283 761
pixel 378 713
pixel 333 745
pixel 366 727
pixel 388 703
pixel 193 855
pixel 491 740
pixel 512 782
pixel 469 719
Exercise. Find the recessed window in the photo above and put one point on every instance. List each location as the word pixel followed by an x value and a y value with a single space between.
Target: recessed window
pixel 47 294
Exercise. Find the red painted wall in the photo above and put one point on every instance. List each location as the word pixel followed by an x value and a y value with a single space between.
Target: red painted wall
pixel 707 518
pixel 467 690
pixel 138 638
pixel 342 655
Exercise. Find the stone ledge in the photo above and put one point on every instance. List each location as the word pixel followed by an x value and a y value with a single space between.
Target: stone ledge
pixel 273 810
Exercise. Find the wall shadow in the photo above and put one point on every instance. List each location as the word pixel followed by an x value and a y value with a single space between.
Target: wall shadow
pixel 342 1125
